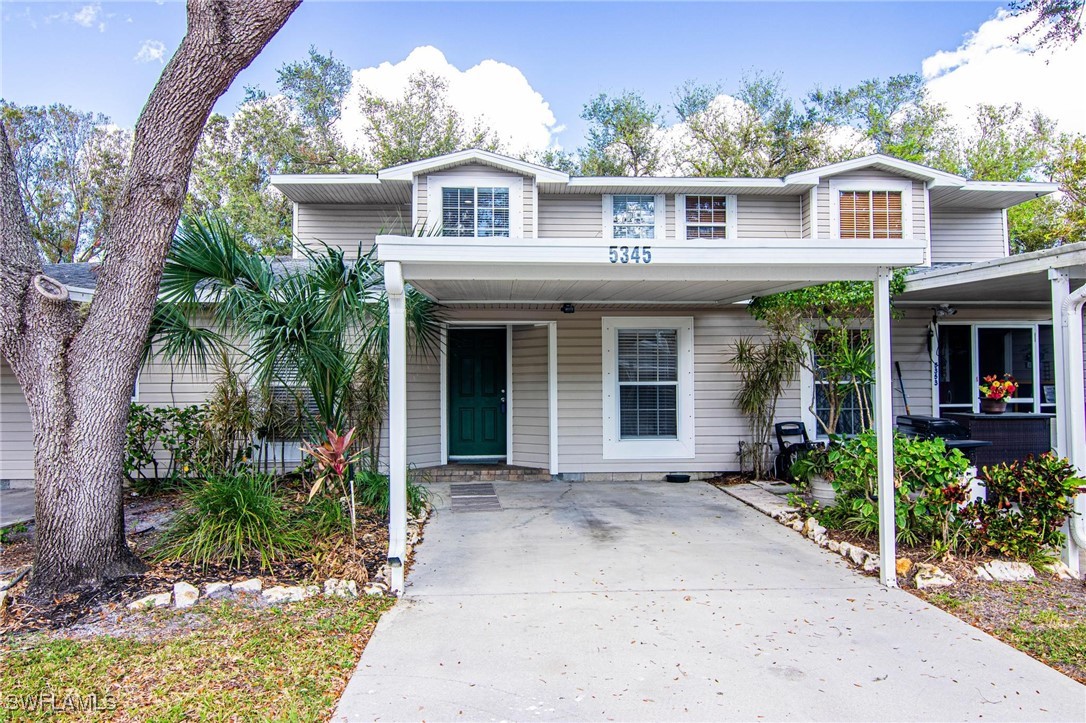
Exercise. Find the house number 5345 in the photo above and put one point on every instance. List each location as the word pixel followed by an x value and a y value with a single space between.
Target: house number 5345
pixel 630 254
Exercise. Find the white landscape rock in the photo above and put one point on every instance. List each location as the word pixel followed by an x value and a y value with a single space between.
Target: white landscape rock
pixel 185 595
pixel 340 588
pixel 376 588
pixel 252 586
pixel 858 555
pixel 872 564
pixel 929 576
pixel 285 594
pixel 217 590
pixel 1004 571
pixel 158 600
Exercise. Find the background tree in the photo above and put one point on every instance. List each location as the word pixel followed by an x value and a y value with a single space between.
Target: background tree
pixel 757 131
pixel 1060 21
pixel 76 368
pixel 70 166
pixel 623 136
pixel 420 124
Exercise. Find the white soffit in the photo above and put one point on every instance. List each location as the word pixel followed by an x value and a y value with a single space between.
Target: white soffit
pixel 341 188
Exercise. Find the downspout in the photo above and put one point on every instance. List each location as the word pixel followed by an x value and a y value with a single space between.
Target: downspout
pixel 1071 321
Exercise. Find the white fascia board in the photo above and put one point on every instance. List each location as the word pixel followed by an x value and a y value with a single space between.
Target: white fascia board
pixel 589 258
pixel 1027 263
pixel 325 179
pixel 1041 189
pixel 408 171
pixel 679 183
pixel 936 177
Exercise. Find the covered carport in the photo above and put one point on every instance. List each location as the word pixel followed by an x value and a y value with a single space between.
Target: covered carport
pixel 554 271
pixel 1053 278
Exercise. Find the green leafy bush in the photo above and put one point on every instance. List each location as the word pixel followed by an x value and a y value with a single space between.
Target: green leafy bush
pixel 230 518
pixel 324 517
pixel 1025 506
pixel 929 482
pixel 373 491
pixel 175 433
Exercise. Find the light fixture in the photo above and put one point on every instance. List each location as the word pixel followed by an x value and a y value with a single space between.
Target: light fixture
pixel 944 310
pixel 568 309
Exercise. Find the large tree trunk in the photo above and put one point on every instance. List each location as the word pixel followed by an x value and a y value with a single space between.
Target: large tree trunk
pixel 77 369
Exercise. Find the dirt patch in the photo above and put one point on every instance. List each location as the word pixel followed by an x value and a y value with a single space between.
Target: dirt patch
pixel 727 479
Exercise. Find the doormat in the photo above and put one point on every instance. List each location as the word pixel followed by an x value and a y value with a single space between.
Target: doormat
pixel 474 497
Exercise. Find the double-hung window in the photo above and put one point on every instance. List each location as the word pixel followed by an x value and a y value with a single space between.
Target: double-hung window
pixel 874 209
pixel 475 211
pixel 709 217
pixel 633 216
pixel 648 387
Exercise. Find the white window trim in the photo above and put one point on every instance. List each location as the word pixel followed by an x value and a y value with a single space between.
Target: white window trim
pixel 730 224
pixel 437 182
pixel 682 447
pixel 660 224
pixel 858 184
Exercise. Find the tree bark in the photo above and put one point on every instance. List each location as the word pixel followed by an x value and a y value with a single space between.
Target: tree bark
pixel 77 367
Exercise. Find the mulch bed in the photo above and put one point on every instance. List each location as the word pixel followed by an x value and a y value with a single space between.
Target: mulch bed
pixel 727 479
pixel 145 520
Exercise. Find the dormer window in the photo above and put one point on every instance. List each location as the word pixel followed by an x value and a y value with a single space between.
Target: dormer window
pixel 475 211
pixel 871 209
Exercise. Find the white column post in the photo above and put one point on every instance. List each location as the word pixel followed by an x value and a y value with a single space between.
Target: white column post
pixel 884 431
pixel 1061 287
pixel 397 424
pixel 552 393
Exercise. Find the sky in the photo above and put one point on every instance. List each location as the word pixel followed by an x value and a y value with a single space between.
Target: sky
pixel 527 69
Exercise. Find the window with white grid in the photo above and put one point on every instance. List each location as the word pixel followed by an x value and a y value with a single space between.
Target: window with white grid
pixel 475 211
pixel 707 216
pixel 633 216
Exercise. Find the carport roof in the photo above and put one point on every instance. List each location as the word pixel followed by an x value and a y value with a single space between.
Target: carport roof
pixel 1019 279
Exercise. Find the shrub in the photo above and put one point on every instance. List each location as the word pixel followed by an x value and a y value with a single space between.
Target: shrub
pixel 929 483
pixel 175 432
pixel 1025 506
pixel 230 518
pixel 324 517
pixel 373 491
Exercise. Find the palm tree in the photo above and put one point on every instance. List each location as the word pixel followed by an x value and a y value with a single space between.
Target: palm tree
pixel 316 327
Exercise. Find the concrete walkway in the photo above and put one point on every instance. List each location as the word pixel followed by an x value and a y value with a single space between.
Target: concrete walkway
pixel 16 505
pixel 645 601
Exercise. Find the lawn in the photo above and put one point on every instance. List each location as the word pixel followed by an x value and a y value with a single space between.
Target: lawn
pixel 216 661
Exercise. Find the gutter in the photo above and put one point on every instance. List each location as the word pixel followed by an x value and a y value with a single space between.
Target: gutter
pixel 1071 321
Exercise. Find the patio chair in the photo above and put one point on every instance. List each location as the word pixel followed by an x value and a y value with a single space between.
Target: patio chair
pixel 792 440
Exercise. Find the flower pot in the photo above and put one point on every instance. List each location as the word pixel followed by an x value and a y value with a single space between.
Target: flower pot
pixel 822 491
pixel 993 406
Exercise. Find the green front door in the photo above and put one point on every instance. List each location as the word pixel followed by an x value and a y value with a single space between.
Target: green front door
pixel 477 393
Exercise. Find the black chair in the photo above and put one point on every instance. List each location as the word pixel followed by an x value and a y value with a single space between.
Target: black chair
pixel 792 440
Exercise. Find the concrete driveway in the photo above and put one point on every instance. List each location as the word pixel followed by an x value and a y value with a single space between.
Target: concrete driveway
pixel 650 601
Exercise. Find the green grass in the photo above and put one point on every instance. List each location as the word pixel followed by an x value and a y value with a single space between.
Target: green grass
pixel 238 663
pixel 1050 638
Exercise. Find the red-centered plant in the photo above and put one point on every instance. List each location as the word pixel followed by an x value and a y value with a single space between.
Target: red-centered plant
pixel 334 459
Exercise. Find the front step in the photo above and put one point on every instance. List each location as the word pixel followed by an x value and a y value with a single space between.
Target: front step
pixel 457 473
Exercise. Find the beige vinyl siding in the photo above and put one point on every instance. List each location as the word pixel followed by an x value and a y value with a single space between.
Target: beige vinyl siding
pixel 16 432
pixel 423 410
pixel 767 217
pixel 569 216
pixel 346 226
pixel 805 216
pixel 918 197
pixel 469 170
pixel 530 446
pixel 965 235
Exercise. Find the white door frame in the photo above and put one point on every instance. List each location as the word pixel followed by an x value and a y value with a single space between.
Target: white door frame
pixel 552 382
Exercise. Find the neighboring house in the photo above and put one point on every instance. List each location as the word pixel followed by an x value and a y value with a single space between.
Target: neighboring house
pixel 589 319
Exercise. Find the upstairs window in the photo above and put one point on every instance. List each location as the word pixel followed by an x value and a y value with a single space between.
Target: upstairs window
pixel 710 217
pixel 871 214
pixel 475 211
pixel 633 216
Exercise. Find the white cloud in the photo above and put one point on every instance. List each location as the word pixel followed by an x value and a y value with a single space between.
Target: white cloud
pixel 151 51
pixel 88 16
pixel 494 93
pixel 990 67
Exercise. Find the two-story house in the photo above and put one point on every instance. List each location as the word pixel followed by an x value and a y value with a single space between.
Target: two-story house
pixel 588 320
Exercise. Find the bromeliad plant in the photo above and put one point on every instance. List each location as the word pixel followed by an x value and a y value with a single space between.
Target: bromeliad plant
pixel 334 460
pixel 998 387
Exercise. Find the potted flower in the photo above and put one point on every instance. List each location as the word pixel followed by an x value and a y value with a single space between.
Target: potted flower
pixel 812 470
pixel 995 390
